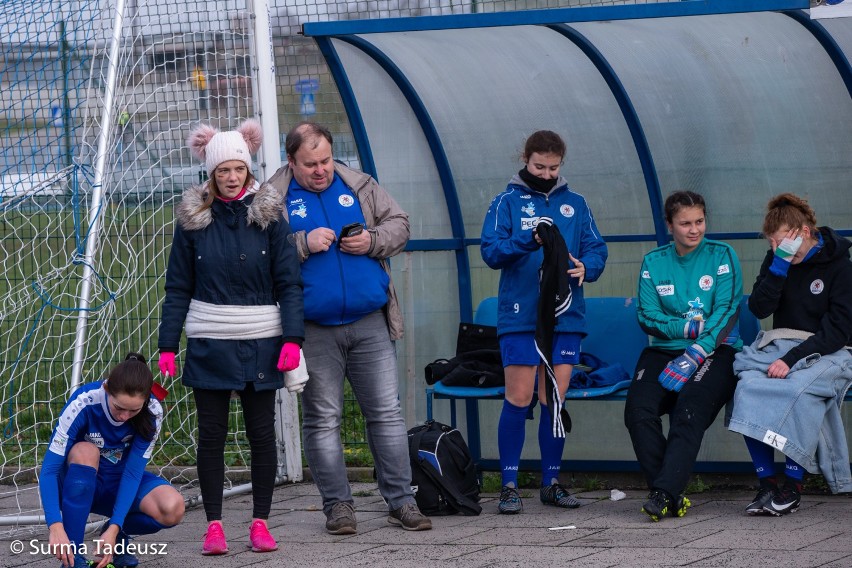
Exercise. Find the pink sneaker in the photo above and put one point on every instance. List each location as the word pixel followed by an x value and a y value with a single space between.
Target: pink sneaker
pixel 261 540
pixel 214 540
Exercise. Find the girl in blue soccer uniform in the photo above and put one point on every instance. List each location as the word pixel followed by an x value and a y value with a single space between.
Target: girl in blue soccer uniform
pixel 512 243
pixel 96 464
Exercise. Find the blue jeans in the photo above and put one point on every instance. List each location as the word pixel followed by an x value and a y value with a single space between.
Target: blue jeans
pixel 362 352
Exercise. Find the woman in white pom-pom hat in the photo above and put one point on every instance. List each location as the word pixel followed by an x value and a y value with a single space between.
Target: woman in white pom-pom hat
pixel 234 283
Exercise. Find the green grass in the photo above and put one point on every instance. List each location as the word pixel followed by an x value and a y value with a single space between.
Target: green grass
pixel 592 484
pixel 815 483
pixel 491 482
pixel 38 245
pixel 697 485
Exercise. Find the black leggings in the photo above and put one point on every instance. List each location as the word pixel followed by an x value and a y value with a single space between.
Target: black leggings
pixel 212 408
pixel 667 463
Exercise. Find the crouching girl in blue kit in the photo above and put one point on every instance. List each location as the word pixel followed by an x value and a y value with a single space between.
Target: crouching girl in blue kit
pixel 96 464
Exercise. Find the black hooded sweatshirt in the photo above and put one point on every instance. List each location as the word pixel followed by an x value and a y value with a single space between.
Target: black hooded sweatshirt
pixel 816 296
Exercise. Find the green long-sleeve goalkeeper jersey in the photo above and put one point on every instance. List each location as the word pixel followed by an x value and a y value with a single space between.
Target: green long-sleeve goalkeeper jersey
pixel 705 284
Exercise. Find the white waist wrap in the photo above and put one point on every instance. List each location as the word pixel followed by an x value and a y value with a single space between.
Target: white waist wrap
pixel 213 321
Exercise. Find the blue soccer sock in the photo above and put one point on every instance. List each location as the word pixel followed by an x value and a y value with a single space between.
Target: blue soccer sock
pixel 794 473
pixel 510 441
pixel 137 524
pixel 78 491
pixel 550 447
pixel 762 456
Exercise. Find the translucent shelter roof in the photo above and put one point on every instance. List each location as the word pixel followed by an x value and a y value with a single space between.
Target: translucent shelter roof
pixel 651 98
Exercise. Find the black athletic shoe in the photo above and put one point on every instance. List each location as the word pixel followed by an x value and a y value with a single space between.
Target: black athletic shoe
pixel 681 504
pixel 510 501
pixel 785 501
pixel 558 496
pixel 762 500
pixel 658 505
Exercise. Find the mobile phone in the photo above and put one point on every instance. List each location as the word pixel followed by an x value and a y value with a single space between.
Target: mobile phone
pixel 351 230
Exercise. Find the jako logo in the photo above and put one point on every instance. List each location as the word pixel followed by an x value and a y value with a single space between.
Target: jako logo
pixel 96 438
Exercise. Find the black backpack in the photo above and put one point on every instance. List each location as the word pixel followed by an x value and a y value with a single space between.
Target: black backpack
pixel 443 475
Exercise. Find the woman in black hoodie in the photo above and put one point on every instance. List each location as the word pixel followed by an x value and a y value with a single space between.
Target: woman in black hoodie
pixel 805 284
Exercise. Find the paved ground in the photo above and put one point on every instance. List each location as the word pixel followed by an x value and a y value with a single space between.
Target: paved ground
pixel 715 532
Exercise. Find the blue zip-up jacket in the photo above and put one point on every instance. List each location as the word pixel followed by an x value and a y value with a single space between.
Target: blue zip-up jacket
pixel 508 245
pixel 340 288
pixel 387 225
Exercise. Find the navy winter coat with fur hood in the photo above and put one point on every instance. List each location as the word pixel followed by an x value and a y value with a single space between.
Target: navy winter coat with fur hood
pixel 233 253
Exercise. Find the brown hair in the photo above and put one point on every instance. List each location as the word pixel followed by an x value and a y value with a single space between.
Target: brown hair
pixel 788 210
pixel 544 142
pixel 681 200
pixel 303 132
pixel 133 377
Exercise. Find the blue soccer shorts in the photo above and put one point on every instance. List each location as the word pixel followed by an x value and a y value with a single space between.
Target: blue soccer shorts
pixel 519 349
pixel 106 490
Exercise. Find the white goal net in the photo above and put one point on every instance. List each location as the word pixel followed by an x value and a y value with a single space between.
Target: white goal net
pixel 94 160
pixel 94 112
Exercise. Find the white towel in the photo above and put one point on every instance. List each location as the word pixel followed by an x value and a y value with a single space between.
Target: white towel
pixel 213 321
pixel 296 379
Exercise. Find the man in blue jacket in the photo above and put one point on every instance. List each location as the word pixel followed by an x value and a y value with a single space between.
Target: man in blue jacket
pixel 345 227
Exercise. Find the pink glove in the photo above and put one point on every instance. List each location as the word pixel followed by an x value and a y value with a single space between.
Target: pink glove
pixel 289 358
pixel 167 364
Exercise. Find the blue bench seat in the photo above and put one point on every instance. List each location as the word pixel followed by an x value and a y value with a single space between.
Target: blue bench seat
pixel 614 336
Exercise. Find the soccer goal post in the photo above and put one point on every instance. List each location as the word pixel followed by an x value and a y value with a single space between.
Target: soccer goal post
pixel 98 99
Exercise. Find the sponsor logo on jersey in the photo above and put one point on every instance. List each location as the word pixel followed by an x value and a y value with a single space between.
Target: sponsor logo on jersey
pixel 529 224
pixel 346 200
pixel 646 274
pixel 817 286
pixel 529 209
pixel 60 441
pixel 665 290
pixel 695 309
pixel 300 211
pixel 705 282
pixel 566 210
pixel 526 196
pixel 95 438
pixel 723 269
pixel 113 455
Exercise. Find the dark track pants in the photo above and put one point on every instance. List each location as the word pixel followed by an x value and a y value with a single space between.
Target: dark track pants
pixel 667 462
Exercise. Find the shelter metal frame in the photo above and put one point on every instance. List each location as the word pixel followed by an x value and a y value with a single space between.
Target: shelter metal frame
pixel 558 20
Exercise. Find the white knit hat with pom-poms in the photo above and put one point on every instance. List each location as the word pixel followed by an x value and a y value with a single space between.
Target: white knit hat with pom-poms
pixel 214 147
